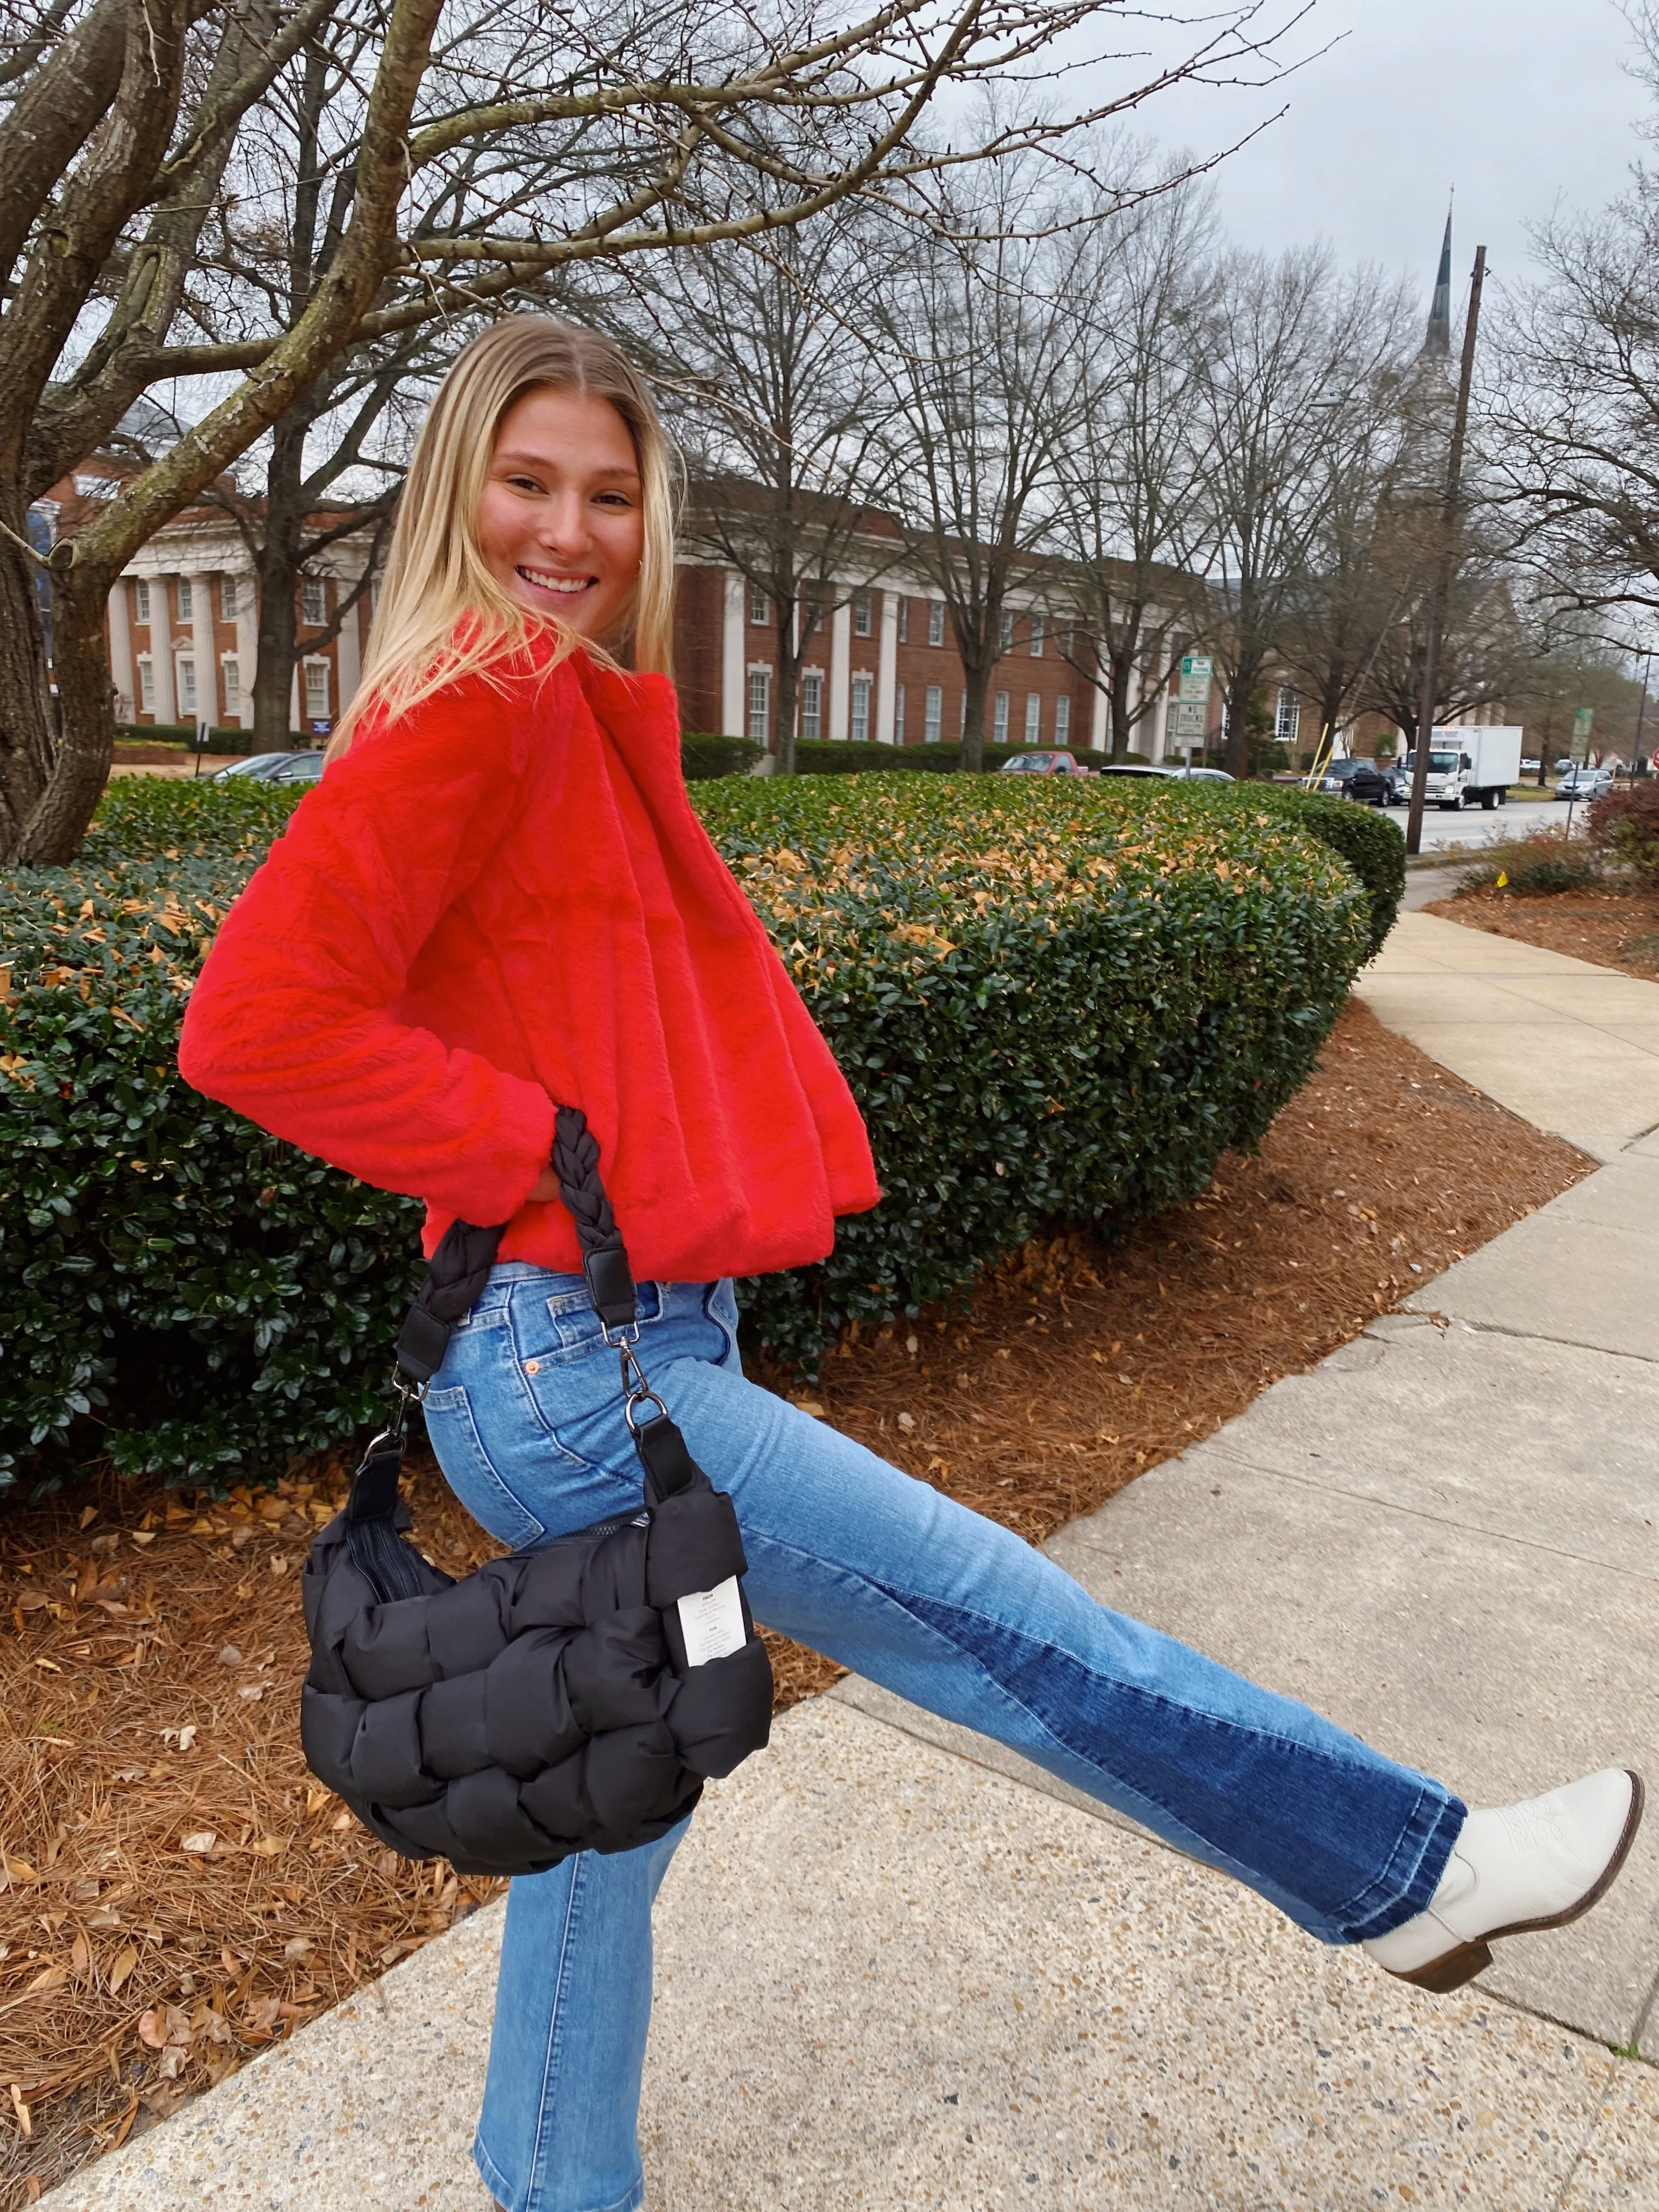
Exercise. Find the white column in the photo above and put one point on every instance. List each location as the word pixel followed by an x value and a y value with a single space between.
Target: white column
pixel 885 731
pixel 247 642
pixel 121 669
pixel 841 672
pixel 293 720
pixel 734 720
pixel 348 664
pixel 160 647
pixel 1100 721
pixel 204 649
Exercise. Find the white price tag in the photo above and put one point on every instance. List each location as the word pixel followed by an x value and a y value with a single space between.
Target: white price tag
pixel 712 1621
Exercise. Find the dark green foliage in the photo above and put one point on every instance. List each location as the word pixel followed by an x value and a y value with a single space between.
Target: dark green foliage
pixel 221 738
pixel 703 758
pixel 1373 846
pixel 831 757
pixel 1543 863
pixel 1055 1000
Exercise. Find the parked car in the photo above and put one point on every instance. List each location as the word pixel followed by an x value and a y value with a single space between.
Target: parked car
pixel 1395 774
pixel 258 765
pixel 1135 768
pixel 1044 764
pixel 1202 774
pixel 1530 767
pixel 1582 783
pixel 274 767
pixel 1355 779
pixel 1564 767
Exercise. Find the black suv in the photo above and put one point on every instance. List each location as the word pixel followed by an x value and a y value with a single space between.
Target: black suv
pixel 1356 779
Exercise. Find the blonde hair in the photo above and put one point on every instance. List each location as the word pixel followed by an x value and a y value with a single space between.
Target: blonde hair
pixel 441 614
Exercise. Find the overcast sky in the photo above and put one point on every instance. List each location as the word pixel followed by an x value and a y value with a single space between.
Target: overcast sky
pixel 1519 103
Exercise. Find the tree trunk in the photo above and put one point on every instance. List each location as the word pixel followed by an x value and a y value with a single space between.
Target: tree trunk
pixel 28 739
pixel 1239 692
pixel 86 715
pixel 783 761
pixel 1121 667
pixel 976 682
pixel 278 568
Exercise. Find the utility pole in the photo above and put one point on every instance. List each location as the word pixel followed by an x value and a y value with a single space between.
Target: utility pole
pixel 1450 520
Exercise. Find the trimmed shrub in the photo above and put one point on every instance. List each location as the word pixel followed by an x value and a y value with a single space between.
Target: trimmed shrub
pixel 1055 1000
pixel 703 758
pixel 1545 862
pixel 833 757
pixel 1623 825
pixel 1373 846
pixel 220 740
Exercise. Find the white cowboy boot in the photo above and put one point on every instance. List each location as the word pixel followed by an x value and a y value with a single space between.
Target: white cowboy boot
pixel 1537 1864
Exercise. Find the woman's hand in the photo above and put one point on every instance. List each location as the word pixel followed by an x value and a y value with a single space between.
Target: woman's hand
pixel 544 1190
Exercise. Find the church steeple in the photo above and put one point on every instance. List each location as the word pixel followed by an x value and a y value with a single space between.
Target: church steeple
pixel 1436 339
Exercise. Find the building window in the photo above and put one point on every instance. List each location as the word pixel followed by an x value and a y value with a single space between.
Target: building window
pixel 142 596
pixel 999 718
pixel 860 710
pixel 226 599
pixel 146 684
pixel 232 686
pixel 316 690
pixel 187 691
pixel 1062 721
pixel 760 607
pixel 1033 718
pixel 1288 719
pixel 812 704
pixel 903 621
pixel 186 600
pixel 932 726
pixel 1036 637
pixel 935 622
pixel 1005 633
pixel 760 706
pixel 861 614
pixel 314 601
pixel 898 710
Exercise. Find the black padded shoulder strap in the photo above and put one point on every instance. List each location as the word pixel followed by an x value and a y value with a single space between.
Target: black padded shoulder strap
pixel 459 1268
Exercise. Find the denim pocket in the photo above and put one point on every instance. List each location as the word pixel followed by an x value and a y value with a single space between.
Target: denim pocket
pixel 561 1330
pixel 469 1472
pixel 719 1306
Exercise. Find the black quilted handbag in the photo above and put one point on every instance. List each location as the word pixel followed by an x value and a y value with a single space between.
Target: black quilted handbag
pixel 571 1697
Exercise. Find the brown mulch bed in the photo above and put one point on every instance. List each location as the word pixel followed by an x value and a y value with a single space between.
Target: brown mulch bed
pixel 1614 928
pixel 177 1892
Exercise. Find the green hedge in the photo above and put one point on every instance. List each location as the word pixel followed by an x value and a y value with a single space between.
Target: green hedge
pixel 1055 1000
pixel 1372 844
pixel 221 738
pixel 831 757
pixel 702 756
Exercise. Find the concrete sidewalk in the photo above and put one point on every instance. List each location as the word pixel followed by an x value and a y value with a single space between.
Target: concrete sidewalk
pixel 898 1968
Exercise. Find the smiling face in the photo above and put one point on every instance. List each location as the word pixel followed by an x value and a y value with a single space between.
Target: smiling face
pixel 560 518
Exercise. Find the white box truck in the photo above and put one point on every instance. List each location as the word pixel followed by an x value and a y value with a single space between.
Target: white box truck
pixel 1469 765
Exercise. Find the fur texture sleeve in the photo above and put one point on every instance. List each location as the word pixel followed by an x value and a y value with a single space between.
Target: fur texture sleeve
pixel 290 1021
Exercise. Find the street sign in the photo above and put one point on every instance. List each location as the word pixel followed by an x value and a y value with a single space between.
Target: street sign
pixel 1579 749
pixel 1196 669
pixel 1191 718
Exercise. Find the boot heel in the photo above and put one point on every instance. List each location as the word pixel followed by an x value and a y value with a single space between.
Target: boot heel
pixel 1453 1969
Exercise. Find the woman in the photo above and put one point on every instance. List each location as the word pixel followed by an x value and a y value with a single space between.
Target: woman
pixel 499 897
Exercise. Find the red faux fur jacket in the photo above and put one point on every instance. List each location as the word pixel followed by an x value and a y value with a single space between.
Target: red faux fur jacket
pixel 505 900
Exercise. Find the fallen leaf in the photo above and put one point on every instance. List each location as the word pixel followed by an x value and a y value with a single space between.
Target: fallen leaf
pixel 203 1840
pixel 152 2029
pixel 230 1656
pixel 142 1536
pixel 297 1946
pixel 252 1692
pixel 26 2124
pixel 18 1870
pixel 123 1963
pixel 280 1563
pixel 80 1955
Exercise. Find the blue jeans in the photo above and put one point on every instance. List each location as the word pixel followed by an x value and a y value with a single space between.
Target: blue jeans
pixel 880 1571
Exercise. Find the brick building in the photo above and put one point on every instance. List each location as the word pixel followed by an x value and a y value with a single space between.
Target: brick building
pixel 882 666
